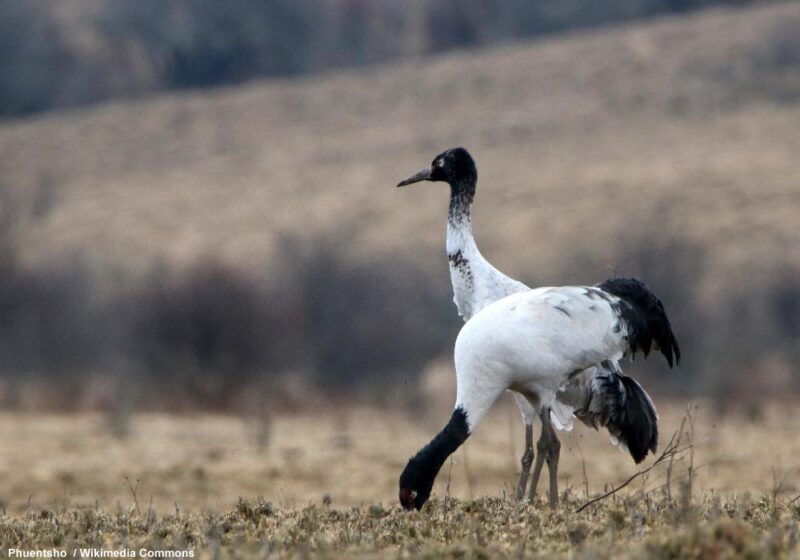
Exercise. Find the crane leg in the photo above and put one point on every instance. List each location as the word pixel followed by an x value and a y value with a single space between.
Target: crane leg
pixel 553 454
pixel 527 461
pixel 549 449
pixel 541 448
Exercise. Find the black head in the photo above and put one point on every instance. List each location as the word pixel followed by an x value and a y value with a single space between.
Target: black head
pixel 417 479
pixel 416 484
pixel 454 166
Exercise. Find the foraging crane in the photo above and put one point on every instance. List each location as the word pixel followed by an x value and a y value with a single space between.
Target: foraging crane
pixel 595 390
pixel 476 283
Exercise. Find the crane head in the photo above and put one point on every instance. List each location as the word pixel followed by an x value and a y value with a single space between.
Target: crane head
pixel 454 166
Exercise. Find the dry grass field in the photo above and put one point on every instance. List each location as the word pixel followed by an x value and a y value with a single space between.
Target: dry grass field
pixel 326 483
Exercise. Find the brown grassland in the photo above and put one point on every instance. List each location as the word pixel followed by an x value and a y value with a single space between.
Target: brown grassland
pixel 326 483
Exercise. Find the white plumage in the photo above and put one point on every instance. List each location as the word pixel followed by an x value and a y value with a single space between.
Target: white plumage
pixel 476 283
pixel 526 342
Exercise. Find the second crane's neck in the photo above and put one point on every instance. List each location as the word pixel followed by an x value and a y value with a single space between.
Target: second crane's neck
pixel 459 224
pixel 476 283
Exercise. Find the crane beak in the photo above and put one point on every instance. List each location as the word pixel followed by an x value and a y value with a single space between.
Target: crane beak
pixel 423 175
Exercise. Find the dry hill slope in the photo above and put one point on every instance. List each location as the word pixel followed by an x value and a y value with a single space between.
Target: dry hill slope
pixel 578 139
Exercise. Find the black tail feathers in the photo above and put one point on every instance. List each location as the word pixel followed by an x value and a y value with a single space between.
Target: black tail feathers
pixel 619 403
pixel 644 313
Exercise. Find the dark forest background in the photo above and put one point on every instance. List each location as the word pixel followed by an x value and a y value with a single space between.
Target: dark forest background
pixel 75 52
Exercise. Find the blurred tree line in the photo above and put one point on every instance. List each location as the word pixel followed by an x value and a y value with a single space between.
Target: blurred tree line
pixel 72 52
pixel 318 326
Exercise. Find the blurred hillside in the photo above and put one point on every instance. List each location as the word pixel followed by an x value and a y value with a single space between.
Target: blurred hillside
pixel 74 52
pixel 215 242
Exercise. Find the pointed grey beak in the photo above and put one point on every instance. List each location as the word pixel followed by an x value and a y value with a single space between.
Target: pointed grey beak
pixel 424 175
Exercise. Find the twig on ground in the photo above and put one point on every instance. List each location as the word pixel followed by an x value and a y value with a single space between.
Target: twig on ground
pixel 672 461
pixel 133 492
pixel 670 451
pixel 687 498
pixel 65 502
pixel 468 472
pixel 682 477
pixel 447 489
pixel 149 511
pixel 583 470
pixel 777 488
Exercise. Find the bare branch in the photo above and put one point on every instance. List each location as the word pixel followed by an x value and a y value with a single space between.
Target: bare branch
pixel 670 451
pixel 671 462
pixel 133 490
pixel 682 477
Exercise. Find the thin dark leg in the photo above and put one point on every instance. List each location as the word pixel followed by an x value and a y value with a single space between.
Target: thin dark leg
pixel 549 449
pixel 541 448
pixel 527 461
pixel 553 454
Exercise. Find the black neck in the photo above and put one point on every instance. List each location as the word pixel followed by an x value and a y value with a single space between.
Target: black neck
pixel 446 442
pixel 421 470
pixel 462 194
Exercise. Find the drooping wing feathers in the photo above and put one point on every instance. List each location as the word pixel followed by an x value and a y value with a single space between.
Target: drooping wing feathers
pixel 619 404
pixel 644 313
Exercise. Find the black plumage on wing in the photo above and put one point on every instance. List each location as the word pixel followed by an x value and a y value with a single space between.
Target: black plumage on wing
pixel 644 313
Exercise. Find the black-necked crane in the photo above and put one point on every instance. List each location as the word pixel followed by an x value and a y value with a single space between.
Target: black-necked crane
pixel 557 349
